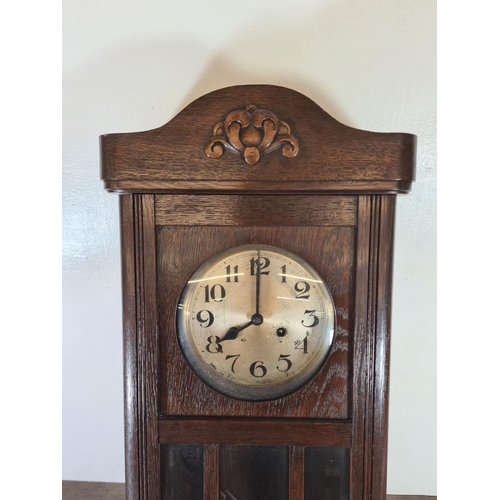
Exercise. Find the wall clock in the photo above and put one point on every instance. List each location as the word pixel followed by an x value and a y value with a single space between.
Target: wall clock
pixel 257 236
pixel 255 322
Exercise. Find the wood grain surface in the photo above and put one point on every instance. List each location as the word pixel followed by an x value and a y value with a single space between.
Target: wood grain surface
pixel 296 473
pixel 211 472
pixel 84 490
pixel 173 156
pixel 256 432
pixel 253 210
pixel 130 355
pixel 330 249
pixel 140 346
pixel 255 187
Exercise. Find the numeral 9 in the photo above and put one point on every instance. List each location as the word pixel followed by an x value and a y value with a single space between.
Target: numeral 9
pixel 205 323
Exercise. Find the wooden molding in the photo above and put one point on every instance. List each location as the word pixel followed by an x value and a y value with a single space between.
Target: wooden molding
pixel 231 431
pixel 86 490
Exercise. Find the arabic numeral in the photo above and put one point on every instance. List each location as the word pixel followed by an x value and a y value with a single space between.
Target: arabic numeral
pixel 284 357
pixel 302 287
pixel 230 356
pixel 213 345
pixel 217 293
pixel 257 265
pixel 205 318
pixel 301 344
pixel 258 370
pixel 283 274
pixel 230 275
pixel 315 319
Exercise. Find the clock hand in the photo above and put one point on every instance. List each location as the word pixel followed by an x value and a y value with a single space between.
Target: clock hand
pixel 257 284
pixel 257 319
pixel 233 332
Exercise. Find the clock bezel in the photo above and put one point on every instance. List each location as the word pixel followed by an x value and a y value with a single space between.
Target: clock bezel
pixel 234 389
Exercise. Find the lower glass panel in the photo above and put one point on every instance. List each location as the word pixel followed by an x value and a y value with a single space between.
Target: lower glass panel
pixel 181 471
pixel 326 474
pixel 253 472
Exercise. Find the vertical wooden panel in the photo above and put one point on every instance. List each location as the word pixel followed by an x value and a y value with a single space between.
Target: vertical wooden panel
pixel 370 341
pixel 373 285
pixel 140 347
pixel 140 305
pixel 149 350
pixel 127 234
pixel 360 339
pixel 211 472
pixel 382 347
pixel 296 473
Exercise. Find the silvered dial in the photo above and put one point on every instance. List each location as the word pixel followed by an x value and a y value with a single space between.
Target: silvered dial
pixel 255 322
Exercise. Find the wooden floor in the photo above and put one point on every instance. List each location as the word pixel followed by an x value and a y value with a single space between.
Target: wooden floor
pixel 81 490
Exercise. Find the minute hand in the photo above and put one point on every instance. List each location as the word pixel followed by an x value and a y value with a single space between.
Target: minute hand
pixel 257 284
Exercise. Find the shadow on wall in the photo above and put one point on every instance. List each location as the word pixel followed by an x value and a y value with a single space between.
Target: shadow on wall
pixel 142 86
pixel 132 90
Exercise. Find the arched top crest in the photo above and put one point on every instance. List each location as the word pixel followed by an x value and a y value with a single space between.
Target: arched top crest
pixel 257 138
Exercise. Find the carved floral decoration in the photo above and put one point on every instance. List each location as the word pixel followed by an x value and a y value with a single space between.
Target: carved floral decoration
pixel 251 133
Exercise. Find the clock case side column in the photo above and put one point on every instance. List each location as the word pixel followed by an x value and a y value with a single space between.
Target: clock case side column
pixel 377 218
pixel 137 235
pixel 382 346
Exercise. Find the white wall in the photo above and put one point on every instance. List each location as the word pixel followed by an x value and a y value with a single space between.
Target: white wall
pixel 131 66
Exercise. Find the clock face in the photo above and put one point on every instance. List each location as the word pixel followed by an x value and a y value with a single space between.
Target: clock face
pixel 255 322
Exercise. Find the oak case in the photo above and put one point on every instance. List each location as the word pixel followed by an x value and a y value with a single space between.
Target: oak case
pixel 330 199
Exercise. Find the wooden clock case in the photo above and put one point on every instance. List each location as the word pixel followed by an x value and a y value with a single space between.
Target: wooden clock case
pixel 257 164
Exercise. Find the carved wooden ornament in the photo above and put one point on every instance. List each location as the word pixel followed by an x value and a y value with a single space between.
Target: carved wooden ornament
pixel 251 133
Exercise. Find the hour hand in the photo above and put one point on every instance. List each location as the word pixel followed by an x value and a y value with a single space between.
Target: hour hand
pixel 233 332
